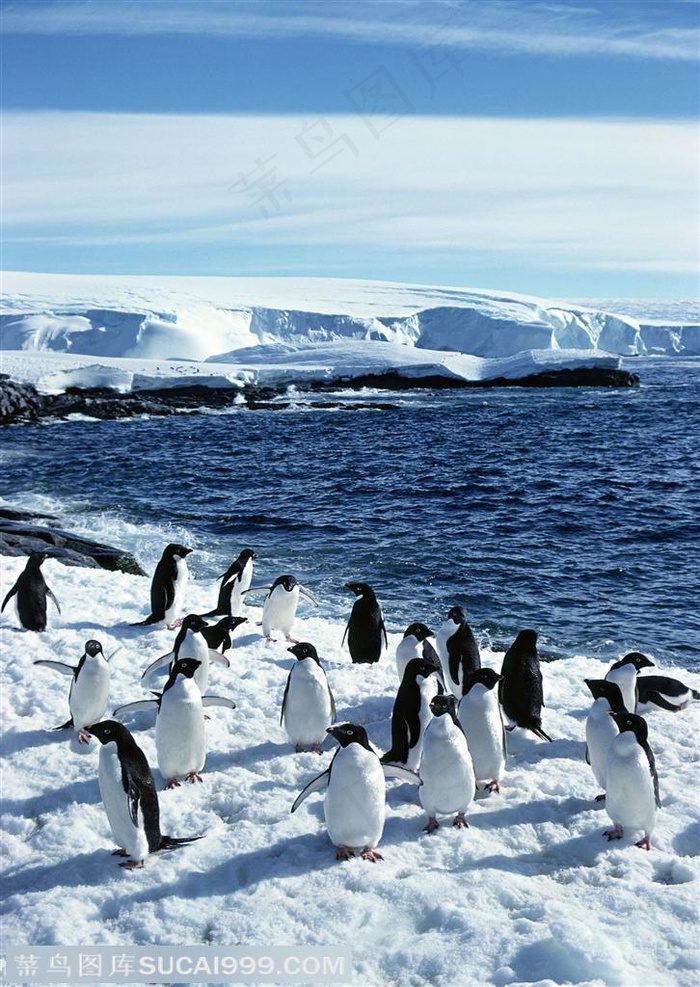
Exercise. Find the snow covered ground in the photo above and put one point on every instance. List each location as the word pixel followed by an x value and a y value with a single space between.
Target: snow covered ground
pixel 530 894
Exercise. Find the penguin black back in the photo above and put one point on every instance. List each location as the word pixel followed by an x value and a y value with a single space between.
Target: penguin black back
pixel 365 628
pixel 462 649
pixel 31 591
pixel 520 689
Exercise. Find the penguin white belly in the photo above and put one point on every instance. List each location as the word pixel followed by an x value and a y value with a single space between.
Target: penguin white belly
pixel 195 646
pixel 428 688
pixel 180 730
pixel 179 587
pixel 407 649
pixel 446 631
pixel 240 585
pixel 307 712
pixel 128 836
pixel 600 732
pixel 630 800
pixel 279 610
pixel 355 803
pixel 446 769
pixel 480 716
pixel 626 678
pixel 89 693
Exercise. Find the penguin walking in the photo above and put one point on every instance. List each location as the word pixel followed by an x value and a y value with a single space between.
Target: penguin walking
pixel 665 693
pixel 280 606
pixel 89 688
pixel 411 713
pixel 220 635
pixel 458 651
pixel 308 706
pixel 234 583
pixel 31 591
pixel 446 767
pixel 355 803
pixel 624 673
pixel 180 744
pixel 415 644
pixel 632 794
pixel 168 586
pixel 601 728
pixel 365 629
pixel 481 719
pixel 129 796
pixel 191 643
pixel 520 689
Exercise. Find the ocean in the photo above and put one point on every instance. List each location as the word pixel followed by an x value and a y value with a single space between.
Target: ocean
pixel 572 511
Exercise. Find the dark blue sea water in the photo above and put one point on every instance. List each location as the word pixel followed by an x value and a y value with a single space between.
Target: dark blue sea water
pixel 573 511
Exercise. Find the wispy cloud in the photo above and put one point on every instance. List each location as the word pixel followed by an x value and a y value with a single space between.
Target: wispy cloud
pixel 647 30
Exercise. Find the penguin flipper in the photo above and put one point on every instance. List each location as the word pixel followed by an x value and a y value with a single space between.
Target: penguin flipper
pixel 66 725
pixel 539 732
pixel 172 842
pixel 218 701
pixel 658 700
pixel 51 594
pixel 317 785
pixel 588 755
pixel 386 639
pixel 345 633
pixel 284 697
pixel 308 595
pixel 58 666
pixel 216 658
pixel 8 597
pixel 140 704
pixel 158 663
pixel 151 619
pixel 401 773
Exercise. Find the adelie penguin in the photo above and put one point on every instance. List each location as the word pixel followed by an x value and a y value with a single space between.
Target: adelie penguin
pixel 632 795
pixel 601 728
pixel 220 634
pixel 129 796
pixel 458 651
pixel 280 606
pixel 308 707
pixel 180 744
pixel 482 722
pixel 446 768
pixel 664 693
pixel 31 592
pixel 624 674
pixel 411 713
pixel 365 630
pixel 415 644
pixel 168 586
pixel 355 802
pixel 191 643
pixel 520 689
pixel 89 688
pixel 234 583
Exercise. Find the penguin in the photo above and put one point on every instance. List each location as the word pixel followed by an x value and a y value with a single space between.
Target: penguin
pixel 191 643
pixel 415 644
pixel 601 728
pixel 481 719
pixel 31 591
pixel 411 713
pixel 129 796
pixel 664 692
pixel 234 583
pixel 365 629
pixel 632 794
pixel 168 586
pixel 458 651
pixel 624 673
pixel 520 689
pixel 446 767
pixel 179 723
pixel 89 688
pixel 280 606
pixel 308 706
pixel 220 635
pixel 355 802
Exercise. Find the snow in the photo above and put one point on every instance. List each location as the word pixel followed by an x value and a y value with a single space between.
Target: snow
pixel 531 893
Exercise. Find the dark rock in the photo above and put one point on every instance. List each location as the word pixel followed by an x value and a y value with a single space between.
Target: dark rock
pixel 19 402
pixel 21 537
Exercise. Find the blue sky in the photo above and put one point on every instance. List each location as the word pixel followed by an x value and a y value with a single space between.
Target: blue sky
pixel 548 148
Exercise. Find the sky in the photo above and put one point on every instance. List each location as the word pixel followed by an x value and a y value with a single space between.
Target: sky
pixel 545 148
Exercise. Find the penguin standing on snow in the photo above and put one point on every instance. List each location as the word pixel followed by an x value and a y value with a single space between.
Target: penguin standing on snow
pixel 31 591
pixel 168 586
pixel 308 707
pixel 234 583
pixel 480 716
pixel 632 795
pixel 601 728
pixel 128 794
pixel 89 688
pixel 179 723
pixel 415 644
pixel 520 689
pixel 411 713
pixel 191 643
pixel 365 628
pixel 624 674
pixel 280 606
pixel 355 802
pixel 665 693
pixel 220 635
pixel 446 768
pixel 458 651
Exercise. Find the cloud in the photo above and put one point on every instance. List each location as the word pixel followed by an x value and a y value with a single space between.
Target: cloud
pixel 503 26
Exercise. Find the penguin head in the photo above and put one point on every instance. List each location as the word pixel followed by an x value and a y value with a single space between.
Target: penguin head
pixel 108 731
pixel 418 631
pixel 457 615
pixel 304 650
pixel 527 639
pixel 635 658
pixel 93 648
pixel 246 555
pixel 349 733
pixel 445 704
pixel 193 622
pixel 287 582
pixel 488 677
pixel 360 589
pixel 186 667
pixel 177 550
pixel 603 689
pixel 418 668
pixel 230 623
pixel 35 559
pixel 632 723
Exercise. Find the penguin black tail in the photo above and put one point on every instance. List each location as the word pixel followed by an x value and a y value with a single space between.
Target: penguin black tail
pixel 172 842
pixel 151 619
pixel 66 725
pixel 695 694
pixel 539 732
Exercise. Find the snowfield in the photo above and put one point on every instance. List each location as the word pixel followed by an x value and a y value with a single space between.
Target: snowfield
pixel 530 894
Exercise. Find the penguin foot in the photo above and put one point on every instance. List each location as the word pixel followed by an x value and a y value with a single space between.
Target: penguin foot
pixel 431 825
pixel 460 821
pixel 316 749
pixel 292 640
pixel 614 834
pixel 172 783
pixel 344 852
pixel 83 737
pixel 493 786
pixel 369 854
pixel 119 852
pixel 175 623
pixel 193 776
pixel 132 864
pixel 644 844
pixel 600 798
